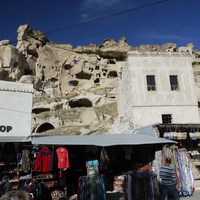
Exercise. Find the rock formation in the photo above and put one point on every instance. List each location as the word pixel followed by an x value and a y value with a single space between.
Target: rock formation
pixel 75 88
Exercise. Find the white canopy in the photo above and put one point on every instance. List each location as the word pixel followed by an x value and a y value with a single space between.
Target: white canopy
pixel 100 140
pixel 15 139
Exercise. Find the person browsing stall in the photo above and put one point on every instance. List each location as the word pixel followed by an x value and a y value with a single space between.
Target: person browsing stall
pixel 169 180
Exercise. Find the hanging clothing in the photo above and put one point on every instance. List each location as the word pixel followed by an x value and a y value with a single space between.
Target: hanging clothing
pixel 25 161
pixel 128 151
pixel 39 190
pixel 91 152
pixel 91 148
pixel 44 160
pixel 63 159
pixel 34 153
pixel 91 188
pixel 1 160
pixel 141 184
pixel 9 153
pixel 104 159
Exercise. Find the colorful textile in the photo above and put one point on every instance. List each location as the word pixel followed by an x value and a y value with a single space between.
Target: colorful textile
pixel 181 164
pixel 141 184
pixel 91 188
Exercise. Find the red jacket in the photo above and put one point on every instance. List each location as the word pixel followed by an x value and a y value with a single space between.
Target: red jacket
pixel 63 159
pixel 43 160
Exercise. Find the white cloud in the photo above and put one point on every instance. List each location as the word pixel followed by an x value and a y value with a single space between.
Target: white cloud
pixel 99 4
pixel 155 35
pixel 84 15
pixel 92 6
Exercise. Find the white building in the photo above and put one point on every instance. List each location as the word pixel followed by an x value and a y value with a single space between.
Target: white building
pixel 15 111
pixel 157 87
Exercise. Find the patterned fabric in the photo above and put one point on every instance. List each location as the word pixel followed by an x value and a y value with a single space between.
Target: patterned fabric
pixel 157 164
pixel 91 188
pixel 25 161
pixel 187 178
pixel 176 166
pixel 141 184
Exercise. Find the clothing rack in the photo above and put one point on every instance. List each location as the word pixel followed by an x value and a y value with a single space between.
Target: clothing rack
pixel 90 188
pixel 181 164
pixel 141 184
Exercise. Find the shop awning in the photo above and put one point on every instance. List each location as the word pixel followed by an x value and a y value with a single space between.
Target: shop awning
pixel 15 139
pixel 100 140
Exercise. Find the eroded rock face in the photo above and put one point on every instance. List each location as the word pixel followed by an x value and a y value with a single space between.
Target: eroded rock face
pixel 75 88
pixel 12 62
pixel 168 47
pixel 109 49
pixel 30 40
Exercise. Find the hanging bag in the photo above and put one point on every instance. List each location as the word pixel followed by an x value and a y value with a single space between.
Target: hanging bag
pixel 92 167
pixel 168 134
pixel 193 134
pixel 179 135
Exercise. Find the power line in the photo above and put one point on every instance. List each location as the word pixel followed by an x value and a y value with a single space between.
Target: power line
pixel 100 18
pixel 107 16
pixel 12 110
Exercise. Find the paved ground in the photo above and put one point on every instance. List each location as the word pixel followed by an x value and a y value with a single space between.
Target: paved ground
pixel 196 195
pixel 120 196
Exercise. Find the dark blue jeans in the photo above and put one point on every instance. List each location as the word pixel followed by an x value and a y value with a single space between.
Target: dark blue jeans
pixel 169 189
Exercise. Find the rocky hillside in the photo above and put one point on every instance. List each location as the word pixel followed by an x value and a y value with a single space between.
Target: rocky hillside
pixel 75 88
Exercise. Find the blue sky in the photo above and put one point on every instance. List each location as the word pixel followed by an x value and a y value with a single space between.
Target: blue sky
pixel 174 21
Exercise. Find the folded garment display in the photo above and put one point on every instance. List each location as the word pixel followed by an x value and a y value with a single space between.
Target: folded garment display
pixel 28 176
pixel 119 183
pixel 51 183
pixel 194 153
pixel 10 171
pixel 57 194
pixel 13 180
pixel 44 176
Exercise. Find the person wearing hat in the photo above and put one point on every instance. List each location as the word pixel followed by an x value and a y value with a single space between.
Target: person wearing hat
pixel 168 181
pixel 16 195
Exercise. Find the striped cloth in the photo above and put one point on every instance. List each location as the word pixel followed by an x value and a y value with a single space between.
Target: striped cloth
pixel 167 175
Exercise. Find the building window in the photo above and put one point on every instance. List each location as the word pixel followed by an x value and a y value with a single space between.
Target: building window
pixel 151 85
pixel 167 119
pixel 174 82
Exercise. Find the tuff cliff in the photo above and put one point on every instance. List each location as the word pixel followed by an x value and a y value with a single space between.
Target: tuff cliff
pixel 75 88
